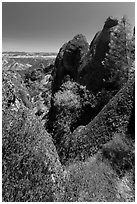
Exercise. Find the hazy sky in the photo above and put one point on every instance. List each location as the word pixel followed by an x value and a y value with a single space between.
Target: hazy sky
pixel 46 26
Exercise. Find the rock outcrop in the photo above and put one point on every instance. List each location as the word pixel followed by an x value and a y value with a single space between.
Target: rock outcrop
pixel 18 94
pixel 83 62
pixel 69 59
pixel 91 70
pixel 100 43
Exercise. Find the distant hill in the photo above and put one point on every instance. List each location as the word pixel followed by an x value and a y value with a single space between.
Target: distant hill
pixel 17 53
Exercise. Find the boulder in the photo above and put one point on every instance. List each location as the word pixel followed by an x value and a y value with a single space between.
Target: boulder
pixel 69 59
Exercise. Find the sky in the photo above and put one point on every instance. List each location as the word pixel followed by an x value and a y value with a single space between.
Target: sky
pixel 46 26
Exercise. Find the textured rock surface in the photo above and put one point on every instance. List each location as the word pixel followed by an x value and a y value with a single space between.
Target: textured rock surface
pixel 14 90
pixel 114 116
pixel 69 59
pixel 31 170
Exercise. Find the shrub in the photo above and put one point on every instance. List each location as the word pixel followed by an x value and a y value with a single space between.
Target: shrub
pixel 108 176
pixel 68 111
pixel 91 181
pixel 119 153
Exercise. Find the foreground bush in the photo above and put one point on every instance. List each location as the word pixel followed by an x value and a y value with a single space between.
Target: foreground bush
pixel 119 152
pixel 96 181
pixel 108 176
pixel 90 181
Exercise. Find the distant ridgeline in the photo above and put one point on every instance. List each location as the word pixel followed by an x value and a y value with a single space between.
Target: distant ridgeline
pixel 16 53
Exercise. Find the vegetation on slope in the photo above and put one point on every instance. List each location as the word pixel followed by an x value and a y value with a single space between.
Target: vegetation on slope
pixel 113 117
pixel 31 168
pixel 108 176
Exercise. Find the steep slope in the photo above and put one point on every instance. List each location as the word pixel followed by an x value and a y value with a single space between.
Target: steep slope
pixel 31 170
pixel 114 117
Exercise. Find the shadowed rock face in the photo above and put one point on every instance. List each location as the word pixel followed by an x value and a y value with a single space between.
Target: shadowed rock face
pixel 91 71
pixel 110 22
pixel 58 71
pixel 74 52
pixel 69 59
pixel 100 43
